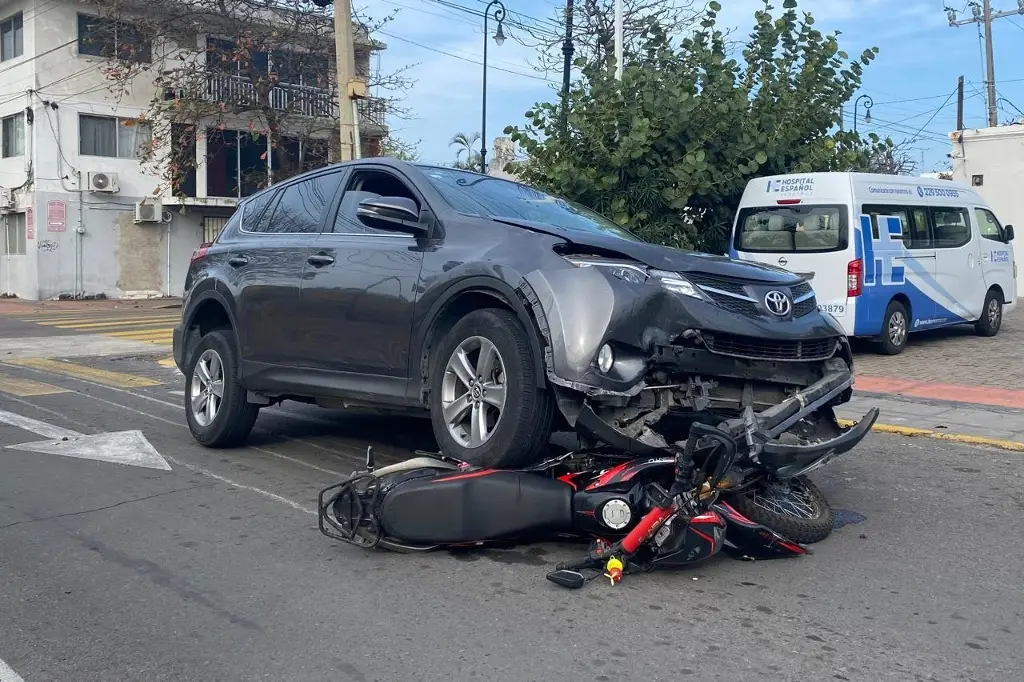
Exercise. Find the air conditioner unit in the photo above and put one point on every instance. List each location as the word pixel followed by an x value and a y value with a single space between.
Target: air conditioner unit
pixel 150 211
pixel 6 198
pixel 103 182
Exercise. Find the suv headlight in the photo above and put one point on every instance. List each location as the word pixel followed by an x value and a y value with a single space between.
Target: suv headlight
pixel 636 273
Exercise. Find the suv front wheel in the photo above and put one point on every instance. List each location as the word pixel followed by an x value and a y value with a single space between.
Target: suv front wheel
pixel 216 409
pixel 486 407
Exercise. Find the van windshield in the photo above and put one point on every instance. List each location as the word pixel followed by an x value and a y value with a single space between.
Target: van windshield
pixel 792 229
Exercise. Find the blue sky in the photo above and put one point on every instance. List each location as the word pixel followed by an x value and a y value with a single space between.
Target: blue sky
pixel 911 80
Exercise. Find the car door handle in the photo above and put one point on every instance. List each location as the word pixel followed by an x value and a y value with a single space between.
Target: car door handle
pixel 238 261
pixel 320 259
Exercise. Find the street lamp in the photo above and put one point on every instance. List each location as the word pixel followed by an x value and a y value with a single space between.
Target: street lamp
pixel 499 38
pixel 867 109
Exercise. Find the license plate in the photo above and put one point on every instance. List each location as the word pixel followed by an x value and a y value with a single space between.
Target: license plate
pixel 838 309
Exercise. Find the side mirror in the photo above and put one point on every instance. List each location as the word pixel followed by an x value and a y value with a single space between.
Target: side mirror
pixel 1008 231
pixel 397 213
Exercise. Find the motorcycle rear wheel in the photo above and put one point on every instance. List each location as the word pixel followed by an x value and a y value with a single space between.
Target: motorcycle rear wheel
pixel 794 508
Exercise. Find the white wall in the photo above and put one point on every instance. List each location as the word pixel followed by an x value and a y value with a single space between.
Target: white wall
pixel 998 155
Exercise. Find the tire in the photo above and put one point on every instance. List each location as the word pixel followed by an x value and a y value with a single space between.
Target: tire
pixel 233 416
pixel 893 315
pixel 796 528
pixel 991 315
pixel 517 433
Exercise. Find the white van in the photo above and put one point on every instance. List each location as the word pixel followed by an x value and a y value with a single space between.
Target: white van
pixel 885 254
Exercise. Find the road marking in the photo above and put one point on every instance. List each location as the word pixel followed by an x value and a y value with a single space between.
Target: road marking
pixel 167 362
pixel 144 334
pixel 7 673
pixel 178 393
pixel 73 345
pixel 27 388
pixel 911 432
pixel 35 426
pixel 99 376
pixel 145 322
pixel 119 447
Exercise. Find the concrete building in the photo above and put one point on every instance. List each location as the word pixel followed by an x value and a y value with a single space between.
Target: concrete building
pixel 79 214
pixel 992 161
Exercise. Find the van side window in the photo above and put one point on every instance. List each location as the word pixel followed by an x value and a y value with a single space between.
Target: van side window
pixel 876 210
pixel 920 233
pixel 951 227
pixel 989 226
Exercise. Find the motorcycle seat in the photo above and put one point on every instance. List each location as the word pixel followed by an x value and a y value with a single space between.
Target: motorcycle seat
pixel 475 506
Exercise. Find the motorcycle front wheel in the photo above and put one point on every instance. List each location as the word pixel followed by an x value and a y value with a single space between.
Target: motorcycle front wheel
pixel 793 507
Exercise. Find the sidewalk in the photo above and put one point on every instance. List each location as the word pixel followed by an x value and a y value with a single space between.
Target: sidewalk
pixel 17 306
pixel 975 423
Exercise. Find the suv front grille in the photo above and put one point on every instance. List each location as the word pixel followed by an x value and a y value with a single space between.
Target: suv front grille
pixel 754 348
pixel 733 295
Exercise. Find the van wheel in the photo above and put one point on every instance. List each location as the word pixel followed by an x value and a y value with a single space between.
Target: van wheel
pixel 895 328
pixel 991 315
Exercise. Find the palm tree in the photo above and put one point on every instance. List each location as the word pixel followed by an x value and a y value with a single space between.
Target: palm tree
pixel 465 144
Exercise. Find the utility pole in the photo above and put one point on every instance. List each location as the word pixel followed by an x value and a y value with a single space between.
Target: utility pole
pixel 567 51
pixel 960 104
pixel 985 16
pixel 350 89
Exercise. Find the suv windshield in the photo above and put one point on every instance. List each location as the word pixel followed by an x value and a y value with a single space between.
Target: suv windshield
pixel 490 197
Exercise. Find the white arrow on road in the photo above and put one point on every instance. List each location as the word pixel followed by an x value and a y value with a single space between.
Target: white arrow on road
pixel 119 447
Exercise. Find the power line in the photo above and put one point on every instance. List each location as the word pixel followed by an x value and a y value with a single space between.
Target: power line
pixel 465 59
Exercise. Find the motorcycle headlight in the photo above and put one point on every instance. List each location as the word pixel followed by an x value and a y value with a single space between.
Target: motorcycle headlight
pixel 636 273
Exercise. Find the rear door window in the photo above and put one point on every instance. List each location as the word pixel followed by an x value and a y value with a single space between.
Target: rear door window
pixel 792 229
pixel 303 204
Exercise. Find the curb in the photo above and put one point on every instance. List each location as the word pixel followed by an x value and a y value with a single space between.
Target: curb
pixel 911 432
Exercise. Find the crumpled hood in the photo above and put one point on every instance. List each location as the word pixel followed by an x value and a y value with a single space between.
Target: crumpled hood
pixel 665 257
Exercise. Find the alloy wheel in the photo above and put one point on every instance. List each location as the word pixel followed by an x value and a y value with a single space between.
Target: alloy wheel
pixel 995 312
pixel 207 389
pixel 897 328
pixel 473 392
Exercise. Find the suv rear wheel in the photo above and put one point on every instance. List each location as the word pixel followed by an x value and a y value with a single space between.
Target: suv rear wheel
pixel 216 409
pixel 485 405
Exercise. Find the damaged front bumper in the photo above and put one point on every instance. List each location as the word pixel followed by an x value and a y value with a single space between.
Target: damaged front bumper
pixel 764 435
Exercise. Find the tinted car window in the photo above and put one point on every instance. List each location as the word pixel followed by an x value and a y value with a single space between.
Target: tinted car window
pixel 302 204
pixel 256 211
pixel 951 227
pixel 489 197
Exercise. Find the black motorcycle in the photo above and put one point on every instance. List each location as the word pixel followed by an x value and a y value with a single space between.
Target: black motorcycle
pixel 640 513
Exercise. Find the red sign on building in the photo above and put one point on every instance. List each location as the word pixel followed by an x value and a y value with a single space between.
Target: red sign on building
pixel 56 216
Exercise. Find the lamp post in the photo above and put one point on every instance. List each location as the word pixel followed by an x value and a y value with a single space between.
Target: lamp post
pixel 499 38
pixel 867 109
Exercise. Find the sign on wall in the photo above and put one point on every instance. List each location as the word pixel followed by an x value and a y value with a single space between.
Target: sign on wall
pixel 30 223
pixel 56 216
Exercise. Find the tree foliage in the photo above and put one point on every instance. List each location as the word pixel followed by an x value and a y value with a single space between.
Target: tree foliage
pixel 668 150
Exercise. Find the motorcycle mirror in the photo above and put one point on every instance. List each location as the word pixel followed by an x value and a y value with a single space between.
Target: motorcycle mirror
pixel 571 579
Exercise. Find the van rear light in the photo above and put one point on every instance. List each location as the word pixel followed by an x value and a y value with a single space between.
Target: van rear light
pixel 854 278
pixel 199 253
pixel 787 202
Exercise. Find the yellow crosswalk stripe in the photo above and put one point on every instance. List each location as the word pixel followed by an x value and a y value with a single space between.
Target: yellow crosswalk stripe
pixel 26 388
pixel 153 327
pixel 99 376
pixel 167 362
pixel 147 322
pixel 142 334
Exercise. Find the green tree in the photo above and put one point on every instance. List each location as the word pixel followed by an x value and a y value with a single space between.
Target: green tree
pixel 668 150
pixel 465 143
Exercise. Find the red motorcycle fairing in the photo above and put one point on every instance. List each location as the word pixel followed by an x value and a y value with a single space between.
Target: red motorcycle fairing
pixel 680 543
pixel 746 539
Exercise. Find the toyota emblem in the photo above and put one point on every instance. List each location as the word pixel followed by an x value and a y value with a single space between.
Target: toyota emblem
pixel 777 303
pixel 783 261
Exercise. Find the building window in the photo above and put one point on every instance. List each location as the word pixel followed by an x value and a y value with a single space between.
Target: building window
pixel 13 243
pixel 103 37
pixel 120 138
pixel 12 37
pixel 212 226
pixel 12 135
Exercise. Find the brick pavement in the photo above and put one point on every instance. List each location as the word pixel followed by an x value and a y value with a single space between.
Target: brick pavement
pixel 954 356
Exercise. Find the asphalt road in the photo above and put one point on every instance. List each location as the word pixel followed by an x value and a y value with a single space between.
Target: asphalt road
pixel 214 570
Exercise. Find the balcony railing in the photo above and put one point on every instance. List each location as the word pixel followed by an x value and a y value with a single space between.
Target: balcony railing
pixel 373 111
pixel 303 100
